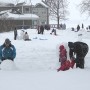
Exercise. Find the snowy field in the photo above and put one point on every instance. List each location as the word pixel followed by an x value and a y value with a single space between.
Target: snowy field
pixel 37 63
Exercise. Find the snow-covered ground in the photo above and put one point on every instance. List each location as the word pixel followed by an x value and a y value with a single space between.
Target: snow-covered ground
pixel 37 63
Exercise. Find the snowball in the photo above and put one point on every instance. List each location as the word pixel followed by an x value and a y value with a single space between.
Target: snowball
pixel 8 65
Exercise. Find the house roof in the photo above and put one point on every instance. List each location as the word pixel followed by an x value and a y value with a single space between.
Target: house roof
pixel 41 4
pixel 22 2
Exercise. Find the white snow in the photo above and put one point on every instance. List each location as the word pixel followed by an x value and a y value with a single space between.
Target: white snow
pixel 37 60
pixel 37 63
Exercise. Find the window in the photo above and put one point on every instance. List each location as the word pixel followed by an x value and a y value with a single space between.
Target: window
pixel 27 9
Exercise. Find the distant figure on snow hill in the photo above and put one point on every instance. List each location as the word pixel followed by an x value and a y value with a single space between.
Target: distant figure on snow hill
pixel 78 27
pixel 82 26
pixel 7 51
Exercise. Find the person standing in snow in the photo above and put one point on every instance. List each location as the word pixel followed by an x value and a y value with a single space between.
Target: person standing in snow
pixel 41 29
pixel 78 27
pixel 7 51
pixel 82 26
pixel 80 49
pixel 15 34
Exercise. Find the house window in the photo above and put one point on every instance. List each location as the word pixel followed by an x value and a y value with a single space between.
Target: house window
pixel 43 23
pixel 27 9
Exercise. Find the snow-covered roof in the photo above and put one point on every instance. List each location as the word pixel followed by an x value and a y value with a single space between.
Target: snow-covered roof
pixel 9 15
pixel 11 1
pixel 20 1
pixel 41 4
pixel 23 2
pixel 31 3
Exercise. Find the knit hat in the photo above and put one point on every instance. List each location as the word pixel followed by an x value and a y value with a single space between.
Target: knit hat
pixel 7 41
pixel 71 44
pixel 61 47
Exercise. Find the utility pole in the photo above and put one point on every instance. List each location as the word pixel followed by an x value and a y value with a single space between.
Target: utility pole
pixel 31 12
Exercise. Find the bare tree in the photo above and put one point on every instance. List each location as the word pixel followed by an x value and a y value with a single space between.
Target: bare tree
pixel 16 1
pixel 85 6
pixel 57 9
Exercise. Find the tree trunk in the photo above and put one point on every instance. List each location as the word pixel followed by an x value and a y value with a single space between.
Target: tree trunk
pixel 57 22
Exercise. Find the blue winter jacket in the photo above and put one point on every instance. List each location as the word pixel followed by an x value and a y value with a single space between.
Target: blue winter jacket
pixel 7 52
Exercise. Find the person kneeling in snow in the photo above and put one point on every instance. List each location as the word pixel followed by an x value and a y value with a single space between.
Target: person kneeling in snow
pixel 7 51
pixel 65 64
pixel 53 31
pixel 26 37
pixel 80 49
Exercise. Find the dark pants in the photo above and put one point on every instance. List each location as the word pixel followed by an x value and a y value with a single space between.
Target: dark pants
pixel 80 63
pixel 15 37
pixel 80 59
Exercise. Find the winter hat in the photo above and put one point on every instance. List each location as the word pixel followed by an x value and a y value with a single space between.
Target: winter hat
pixel 61 47
pixel 7 41
pixel 71 45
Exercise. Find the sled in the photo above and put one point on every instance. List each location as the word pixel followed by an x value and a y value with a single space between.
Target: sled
pixel 42 39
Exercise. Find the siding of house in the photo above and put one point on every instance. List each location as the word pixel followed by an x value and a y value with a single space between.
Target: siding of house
pixel 39 10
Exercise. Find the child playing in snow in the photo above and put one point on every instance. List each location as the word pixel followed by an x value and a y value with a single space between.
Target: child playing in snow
pixel 65 64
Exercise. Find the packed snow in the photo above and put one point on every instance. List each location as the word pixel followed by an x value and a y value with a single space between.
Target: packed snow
pixel 37 62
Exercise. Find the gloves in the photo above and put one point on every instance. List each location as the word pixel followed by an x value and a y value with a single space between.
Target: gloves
pixel 2 58
pixel 10 58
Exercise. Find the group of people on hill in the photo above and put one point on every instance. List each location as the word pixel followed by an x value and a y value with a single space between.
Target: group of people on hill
pixel 62 26
pixel 77 53
pixel 40 29
pixel 78 27
pixel 23 35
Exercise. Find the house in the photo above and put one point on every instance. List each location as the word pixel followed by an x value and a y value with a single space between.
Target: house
pixel 27 11
pixel 39 9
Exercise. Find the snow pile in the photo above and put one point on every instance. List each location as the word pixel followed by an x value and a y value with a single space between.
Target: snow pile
pixel 8 65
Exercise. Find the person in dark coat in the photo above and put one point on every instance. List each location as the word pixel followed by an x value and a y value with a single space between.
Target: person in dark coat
pixel 41 29
pixel 82 26
pixel 80 49
pixel 78 27
pixel 15 34
pixel 7 51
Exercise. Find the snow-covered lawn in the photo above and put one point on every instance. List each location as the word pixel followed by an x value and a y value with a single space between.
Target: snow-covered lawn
pixel 37 63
